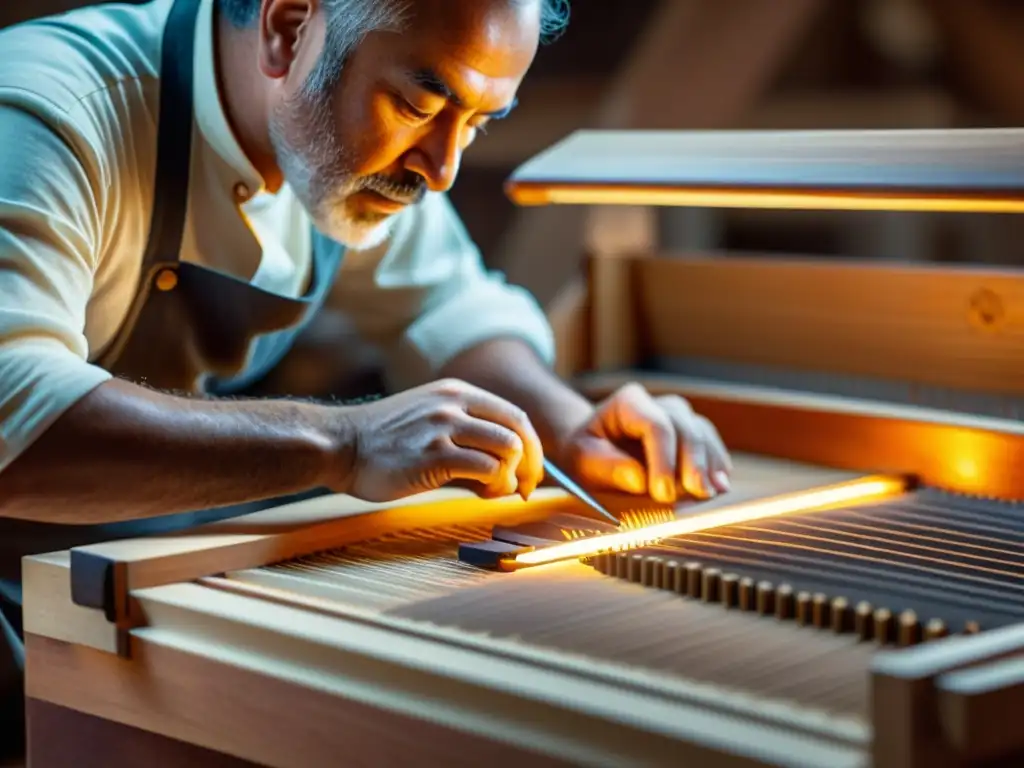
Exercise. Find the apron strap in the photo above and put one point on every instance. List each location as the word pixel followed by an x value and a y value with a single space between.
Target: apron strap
pixel 174 135
pixel 173 163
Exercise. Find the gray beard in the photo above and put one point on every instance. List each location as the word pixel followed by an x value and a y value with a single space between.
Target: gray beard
pixel 315 166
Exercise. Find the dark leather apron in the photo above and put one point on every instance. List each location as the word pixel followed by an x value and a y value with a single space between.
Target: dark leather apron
pixel 190 329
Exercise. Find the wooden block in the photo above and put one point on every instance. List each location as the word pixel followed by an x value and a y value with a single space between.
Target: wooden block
pixel 980 709
pixel 908 732
pixel 513 536
pixel 489 554
pixel 541 530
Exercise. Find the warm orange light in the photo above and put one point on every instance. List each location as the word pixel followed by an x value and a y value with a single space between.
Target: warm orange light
pixel 539 193
pixel 857 491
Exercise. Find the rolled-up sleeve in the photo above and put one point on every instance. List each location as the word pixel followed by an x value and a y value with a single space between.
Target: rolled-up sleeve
pixel 428 297
pixel 48 235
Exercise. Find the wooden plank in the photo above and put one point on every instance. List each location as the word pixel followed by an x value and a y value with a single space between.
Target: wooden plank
pixel 310 684
pixel 914 170
pixel 907 728
pixel 955 452
pixel 955 327
pixel 102 575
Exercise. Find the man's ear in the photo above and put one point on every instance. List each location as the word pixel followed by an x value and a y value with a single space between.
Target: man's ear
pixel 283 24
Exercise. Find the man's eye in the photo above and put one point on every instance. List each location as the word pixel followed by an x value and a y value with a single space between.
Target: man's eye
pixel 412 112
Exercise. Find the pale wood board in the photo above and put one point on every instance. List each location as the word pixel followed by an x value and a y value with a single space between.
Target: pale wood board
pixel 289 688
pixel 955 327
pixel 50 612
pixel 930 169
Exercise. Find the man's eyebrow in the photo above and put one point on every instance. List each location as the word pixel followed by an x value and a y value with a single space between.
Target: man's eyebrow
pixel 429 80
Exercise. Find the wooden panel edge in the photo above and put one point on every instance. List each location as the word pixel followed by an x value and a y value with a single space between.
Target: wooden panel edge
pixel 958 453
pixel 102 575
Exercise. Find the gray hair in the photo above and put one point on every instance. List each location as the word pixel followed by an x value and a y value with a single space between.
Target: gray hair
pixel 354 19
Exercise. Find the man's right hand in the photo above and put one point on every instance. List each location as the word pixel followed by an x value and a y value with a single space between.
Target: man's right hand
pixel 439 433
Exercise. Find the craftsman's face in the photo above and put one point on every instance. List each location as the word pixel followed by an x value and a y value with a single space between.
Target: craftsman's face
pixel 362 136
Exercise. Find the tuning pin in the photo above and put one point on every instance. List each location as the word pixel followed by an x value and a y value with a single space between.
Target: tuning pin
pixel 636 565
pixel 935 629
pixel 909 629
pixel 748 600
pixel 650 572
pixel 864 620
pixel 670 576
pixel 884 626
pixel 842 616
pixel 729 590
pixel 766 598
pixel 784 602
pixel 622 565
pixel 804 603
pixel 710 584
pixel 694 580
pixel 820 613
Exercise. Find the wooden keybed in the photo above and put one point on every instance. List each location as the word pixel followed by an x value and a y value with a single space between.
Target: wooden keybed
pixel 333 627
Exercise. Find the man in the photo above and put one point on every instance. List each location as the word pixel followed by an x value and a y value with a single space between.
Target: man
pixel 184 184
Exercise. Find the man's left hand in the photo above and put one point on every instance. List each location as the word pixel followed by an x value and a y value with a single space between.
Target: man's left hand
pixel 639 444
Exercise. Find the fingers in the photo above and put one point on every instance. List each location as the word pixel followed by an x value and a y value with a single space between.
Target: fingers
pixel 638 416
pixel 704 464
pixel 683 450
pixel 719 461
pixel 487 407
pixel 452 463
pixel 499 443
pixel 601 464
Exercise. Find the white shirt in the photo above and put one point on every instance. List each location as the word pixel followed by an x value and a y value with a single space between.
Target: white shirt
pixel 79 97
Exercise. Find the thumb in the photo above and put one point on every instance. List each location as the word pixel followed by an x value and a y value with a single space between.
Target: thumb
pixel 600 463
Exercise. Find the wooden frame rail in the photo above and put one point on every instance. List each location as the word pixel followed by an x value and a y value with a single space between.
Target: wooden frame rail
pixel 950 703
pixel 912 170
pixel 952 327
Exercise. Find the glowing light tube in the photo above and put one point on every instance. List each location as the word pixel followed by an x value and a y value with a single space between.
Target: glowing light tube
pixel 858 491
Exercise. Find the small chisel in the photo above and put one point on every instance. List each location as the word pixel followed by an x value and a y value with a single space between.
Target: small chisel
pixel 572 487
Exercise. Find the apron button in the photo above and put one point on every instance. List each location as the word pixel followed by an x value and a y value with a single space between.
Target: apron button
pixel 166 280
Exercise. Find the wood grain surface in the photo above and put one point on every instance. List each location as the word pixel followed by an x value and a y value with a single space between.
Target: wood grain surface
pixel 976 169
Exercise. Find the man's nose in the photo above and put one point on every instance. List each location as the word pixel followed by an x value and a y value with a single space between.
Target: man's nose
pixel 437 158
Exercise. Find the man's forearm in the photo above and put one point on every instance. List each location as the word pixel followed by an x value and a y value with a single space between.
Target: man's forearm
pixel 125 452
pixel 510 368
